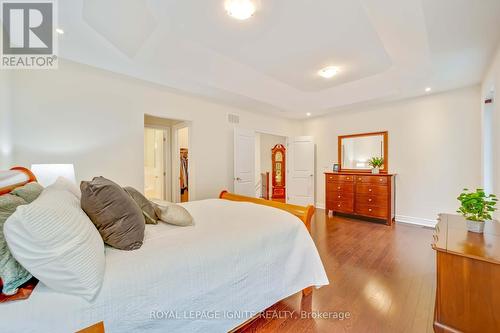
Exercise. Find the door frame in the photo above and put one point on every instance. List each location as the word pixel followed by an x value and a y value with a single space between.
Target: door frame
pixel 166 160
pixel 286 157
pixel 176 191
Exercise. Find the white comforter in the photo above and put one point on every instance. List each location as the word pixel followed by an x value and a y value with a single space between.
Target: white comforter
pixel 238 259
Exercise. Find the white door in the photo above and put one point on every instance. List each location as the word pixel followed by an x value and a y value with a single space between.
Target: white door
pixel 300 166
pixel 244 162
pixel 154 166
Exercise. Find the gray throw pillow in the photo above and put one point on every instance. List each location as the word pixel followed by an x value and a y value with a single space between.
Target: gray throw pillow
pixel 172 213
pixel 28 192
pixel 13 275
pixel 147 208
pixel 115 214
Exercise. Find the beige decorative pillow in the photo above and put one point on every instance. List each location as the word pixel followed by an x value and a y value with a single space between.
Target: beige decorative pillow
pixel 148 210
pixel 172 213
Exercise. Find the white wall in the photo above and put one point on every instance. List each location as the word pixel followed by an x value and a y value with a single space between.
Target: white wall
pixel 434 148
pixel 491 83
pixel 95 119
pixel 183 137
pixel 258 180
pixel 5 120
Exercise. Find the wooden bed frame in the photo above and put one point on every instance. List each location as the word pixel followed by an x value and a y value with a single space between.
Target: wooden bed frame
pixel 305 214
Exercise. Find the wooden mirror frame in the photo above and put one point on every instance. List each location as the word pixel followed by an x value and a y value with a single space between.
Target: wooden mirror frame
pixel 385 134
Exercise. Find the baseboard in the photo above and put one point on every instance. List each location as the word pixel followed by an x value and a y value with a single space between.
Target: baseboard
pixel 401 218
pixel 416 221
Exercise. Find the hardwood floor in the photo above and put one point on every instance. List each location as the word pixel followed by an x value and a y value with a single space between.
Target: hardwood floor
pixel 383 276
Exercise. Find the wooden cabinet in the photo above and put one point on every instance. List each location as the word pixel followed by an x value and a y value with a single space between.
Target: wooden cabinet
pixel 361 194
pixel 467 276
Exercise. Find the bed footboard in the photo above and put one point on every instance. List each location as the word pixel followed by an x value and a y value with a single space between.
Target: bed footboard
pixel 305 214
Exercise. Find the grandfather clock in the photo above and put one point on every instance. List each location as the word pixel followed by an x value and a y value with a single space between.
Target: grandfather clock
pixel 279 171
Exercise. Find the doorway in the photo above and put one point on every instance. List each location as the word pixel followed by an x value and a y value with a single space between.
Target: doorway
pixel 167 156
pixel 299 167
pixel 155 153
pixel 270 166
pixel 181 162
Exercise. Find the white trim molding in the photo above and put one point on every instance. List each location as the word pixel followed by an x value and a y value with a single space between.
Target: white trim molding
pixel 320 205
pixel 401 218
pixel 416 220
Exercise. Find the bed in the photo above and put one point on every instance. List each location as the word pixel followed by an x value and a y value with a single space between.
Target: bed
pixel 238 259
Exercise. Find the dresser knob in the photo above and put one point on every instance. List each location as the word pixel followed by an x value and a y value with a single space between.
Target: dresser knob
pixel 338 188
pixel 369 190
pixel 359 179
pixel 338 205
pixel 338 197
pixel 370 200
pixel 380 179
pixel 369 209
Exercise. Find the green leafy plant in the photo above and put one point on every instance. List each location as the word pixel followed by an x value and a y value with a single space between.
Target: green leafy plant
pixel 477 206
pixel 376 162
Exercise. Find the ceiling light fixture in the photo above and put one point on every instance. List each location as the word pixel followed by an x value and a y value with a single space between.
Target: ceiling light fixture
pixel 308 114
pixel 60 31
pixel 240 9
pixel 428 89
pixel 328 72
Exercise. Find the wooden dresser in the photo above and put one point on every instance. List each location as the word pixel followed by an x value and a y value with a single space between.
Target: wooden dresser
pixel 468 277
pixel 361 194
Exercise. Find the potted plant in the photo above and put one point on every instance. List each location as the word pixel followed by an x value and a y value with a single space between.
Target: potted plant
pixel 476 207
pixel 376 163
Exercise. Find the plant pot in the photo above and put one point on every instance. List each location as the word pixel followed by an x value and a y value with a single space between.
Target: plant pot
pixel 475 226
pixel 375 171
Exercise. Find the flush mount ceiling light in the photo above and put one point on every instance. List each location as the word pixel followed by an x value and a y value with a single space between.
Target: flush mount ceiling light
pixel 240 9
pixel 308 114
pixel 428 89
pixel 328 72
pixel 60 31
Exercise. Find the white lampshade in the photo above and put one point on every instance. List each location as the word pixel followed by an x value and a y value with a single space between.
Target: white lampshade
pixel 47 174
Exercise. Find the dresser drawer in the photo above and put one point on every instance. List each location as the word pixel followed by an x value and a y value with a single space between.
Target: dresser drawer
pixel 340 187
pixel 340 196
pixel 377 190
pixel 372 200
pixel 371 211
pixel 346 206
pixel 339 178
pixel 371 179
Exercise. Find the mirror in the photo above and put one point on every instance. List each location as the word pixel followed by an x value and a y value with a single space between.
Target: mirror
pixel 356 150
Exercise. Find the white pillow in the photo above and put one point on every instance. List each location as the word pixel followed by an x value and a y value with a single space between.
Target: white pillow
pixel 57 243
pixel 62 183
